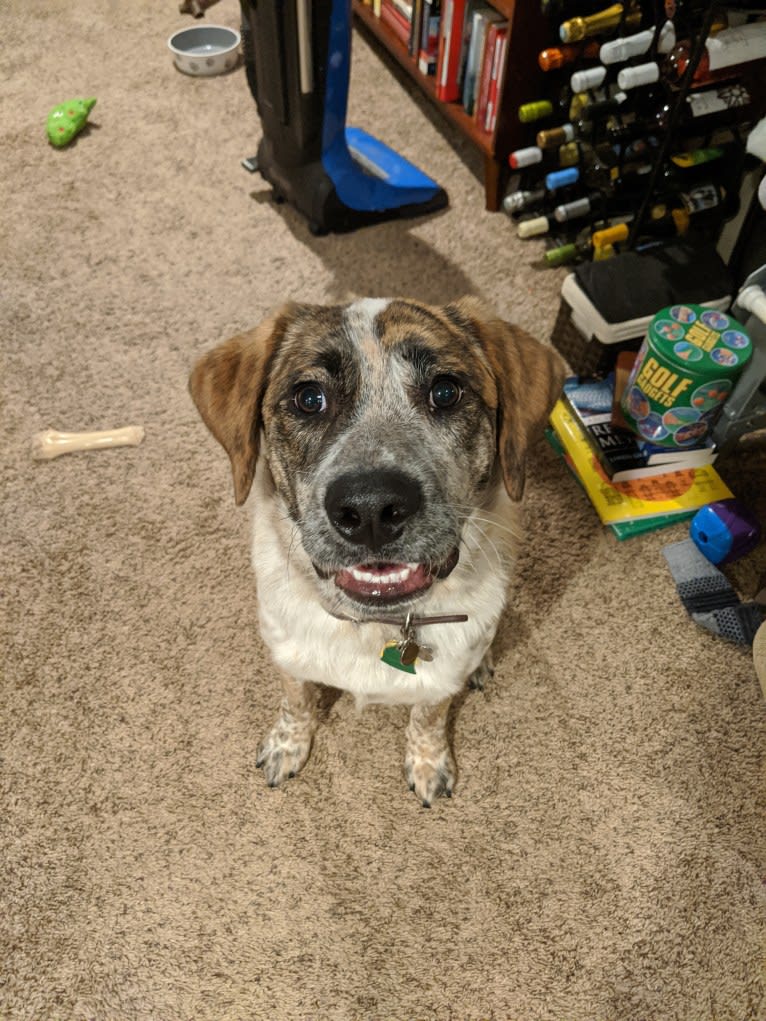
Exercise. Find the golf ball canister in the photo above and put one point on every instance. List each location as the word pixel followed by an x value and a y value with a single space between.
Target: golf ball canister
pixel 686 369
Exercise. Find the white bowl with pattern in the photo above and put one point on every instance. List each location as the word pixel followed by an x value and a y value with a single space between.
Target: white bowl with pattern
pixel 204 50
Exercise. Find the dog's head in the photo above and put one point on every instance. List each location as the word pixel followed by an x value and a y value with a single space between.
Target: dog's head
pixel 386 423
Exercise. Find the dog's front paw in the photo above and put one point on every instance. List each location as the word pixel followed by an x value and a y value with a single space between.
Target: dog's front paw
pixel 483 673
pixel 430 775
pixel 283 752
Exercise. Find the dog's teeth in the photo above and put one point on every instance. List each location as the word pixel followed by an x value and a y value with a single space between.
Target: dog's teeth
pixel 392 578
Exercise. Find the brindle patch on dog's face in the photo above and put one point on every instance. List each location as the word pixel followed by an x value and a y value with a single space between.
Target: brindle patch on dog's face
pixel 376 363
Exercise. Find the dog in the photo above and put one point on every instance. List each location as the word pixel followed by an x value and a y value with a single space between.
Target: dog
pixel 385 442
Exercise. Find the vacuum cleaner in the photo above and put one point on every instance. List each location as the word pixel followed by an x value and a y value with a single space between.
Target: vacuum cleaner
pixel 298 62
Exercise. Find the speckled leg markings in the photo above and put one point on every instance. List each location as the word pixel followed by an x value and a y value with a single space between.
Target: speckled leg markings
pixel 483 673
pixel 428 764
pixel 285 749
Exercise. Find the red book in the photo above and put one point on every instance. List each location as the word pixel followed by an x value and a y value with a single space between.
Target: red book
pixel 498 56
pixel 395 21
pixel 450 48
pixel 485 81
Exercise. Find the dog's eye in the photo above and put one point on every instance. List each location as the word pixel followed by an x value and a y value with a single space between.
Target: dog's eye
pixel 445 393
pixel 310 398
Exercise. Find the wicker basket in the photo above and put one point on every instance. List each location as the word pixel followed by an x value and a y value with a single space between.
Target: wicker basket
pixel 586 356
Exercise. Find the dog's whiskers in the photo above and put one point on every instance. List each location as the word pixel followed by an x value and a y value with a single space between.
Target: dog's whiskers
pixel 489 518
pixel 473 523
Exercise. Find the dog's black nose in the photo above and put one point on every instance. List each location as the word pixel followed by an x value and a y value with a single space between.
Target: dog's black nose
pixel 371 508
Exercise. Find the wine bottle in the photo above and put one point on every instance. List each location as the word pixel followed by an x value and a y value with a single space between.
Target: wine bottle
pixel 599 166
pixel 638 153
pixel 569 154
pixel 575 29
pixel 562 178
pixel 707 109
pixel 617 51
pixel 589 243
pixel 687 18
pixel 551 138
pixel 705 197
pixel 560 106
pixel 580 248
pixel 623 134
pixel 579 208
pixel 663 222
pixel 533 228
pixel 696 157
pixel 588 78
pixel 535 111
pixel 529 156
pixel 532 155
pixel 723 56
pixel 638 74
pixel 702 206
pixel 561 9
pixel 600 109
pixel 554 57
pixel 520 201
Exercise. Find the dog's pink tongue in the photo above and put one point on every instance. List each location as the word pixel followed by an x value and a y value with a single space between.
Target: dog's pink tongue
pixel 383 581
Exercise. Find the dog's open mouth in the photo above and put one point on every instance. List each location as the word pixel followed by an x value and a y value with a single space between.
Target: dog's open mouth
pixel 386 582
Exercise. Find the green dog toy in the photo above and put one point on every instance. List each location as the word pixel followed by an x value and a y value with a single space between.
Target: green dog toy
pixel 67 120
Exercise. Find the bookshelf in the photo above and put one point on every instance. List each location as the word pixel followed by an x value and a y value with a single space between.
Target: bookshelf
pixel 527 34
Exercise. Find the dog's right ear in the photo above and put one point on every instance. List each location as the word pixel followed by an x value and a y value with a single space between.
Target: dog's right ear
pixel 227 385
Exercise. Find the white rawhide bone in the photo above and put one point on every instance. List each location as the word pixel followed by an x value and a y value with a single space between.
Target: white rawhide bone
pixel 51 443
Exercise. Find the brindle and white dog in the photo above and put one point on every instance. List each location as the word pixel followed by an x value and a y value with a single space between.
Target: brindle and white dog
pixel 386 441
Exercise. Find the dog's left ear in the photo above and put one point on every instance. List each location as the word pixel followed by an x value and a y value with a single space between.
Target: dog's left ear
pixel 528 376
pixel 227 385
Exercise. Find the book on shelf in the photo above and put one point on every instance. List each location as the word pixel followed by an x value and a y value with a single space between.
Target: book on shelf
pixel 494 31
pixel 623 455
pixel 465 40
pixel 481 18
pixel 450 43
pixel 416 27
pixel 498 58
pixel 404 7
pixel 673 493
pixel 397 21
pixel 429 37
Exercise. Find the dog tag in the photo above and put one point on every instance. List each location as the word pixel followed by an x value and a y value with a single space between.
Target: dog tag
pixel 391 654
pixel 408 650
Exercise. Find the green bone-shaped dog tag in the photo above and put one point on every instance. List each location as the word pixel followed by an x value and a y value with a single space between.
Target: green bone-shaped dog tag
pixel 391 654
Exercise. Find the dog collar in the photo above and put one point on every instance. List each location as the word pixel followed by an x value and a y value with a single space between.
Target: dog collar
pixel 405 652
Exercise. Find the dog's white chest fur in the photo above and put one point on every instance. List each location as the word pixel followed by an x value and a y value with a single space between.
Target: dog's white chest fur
pixel 311 645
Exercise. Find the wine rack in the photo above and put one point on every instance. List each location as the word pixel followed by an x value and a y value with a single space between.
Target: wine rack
pixel 640 139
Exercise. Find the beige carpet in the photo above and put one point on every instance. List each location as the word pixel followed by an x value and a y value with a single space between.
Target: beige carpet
pixel 603 858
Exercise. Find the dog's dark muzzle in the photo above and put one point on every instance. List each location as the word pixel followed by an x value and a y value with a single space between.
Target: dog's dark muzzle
pixel 371 509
